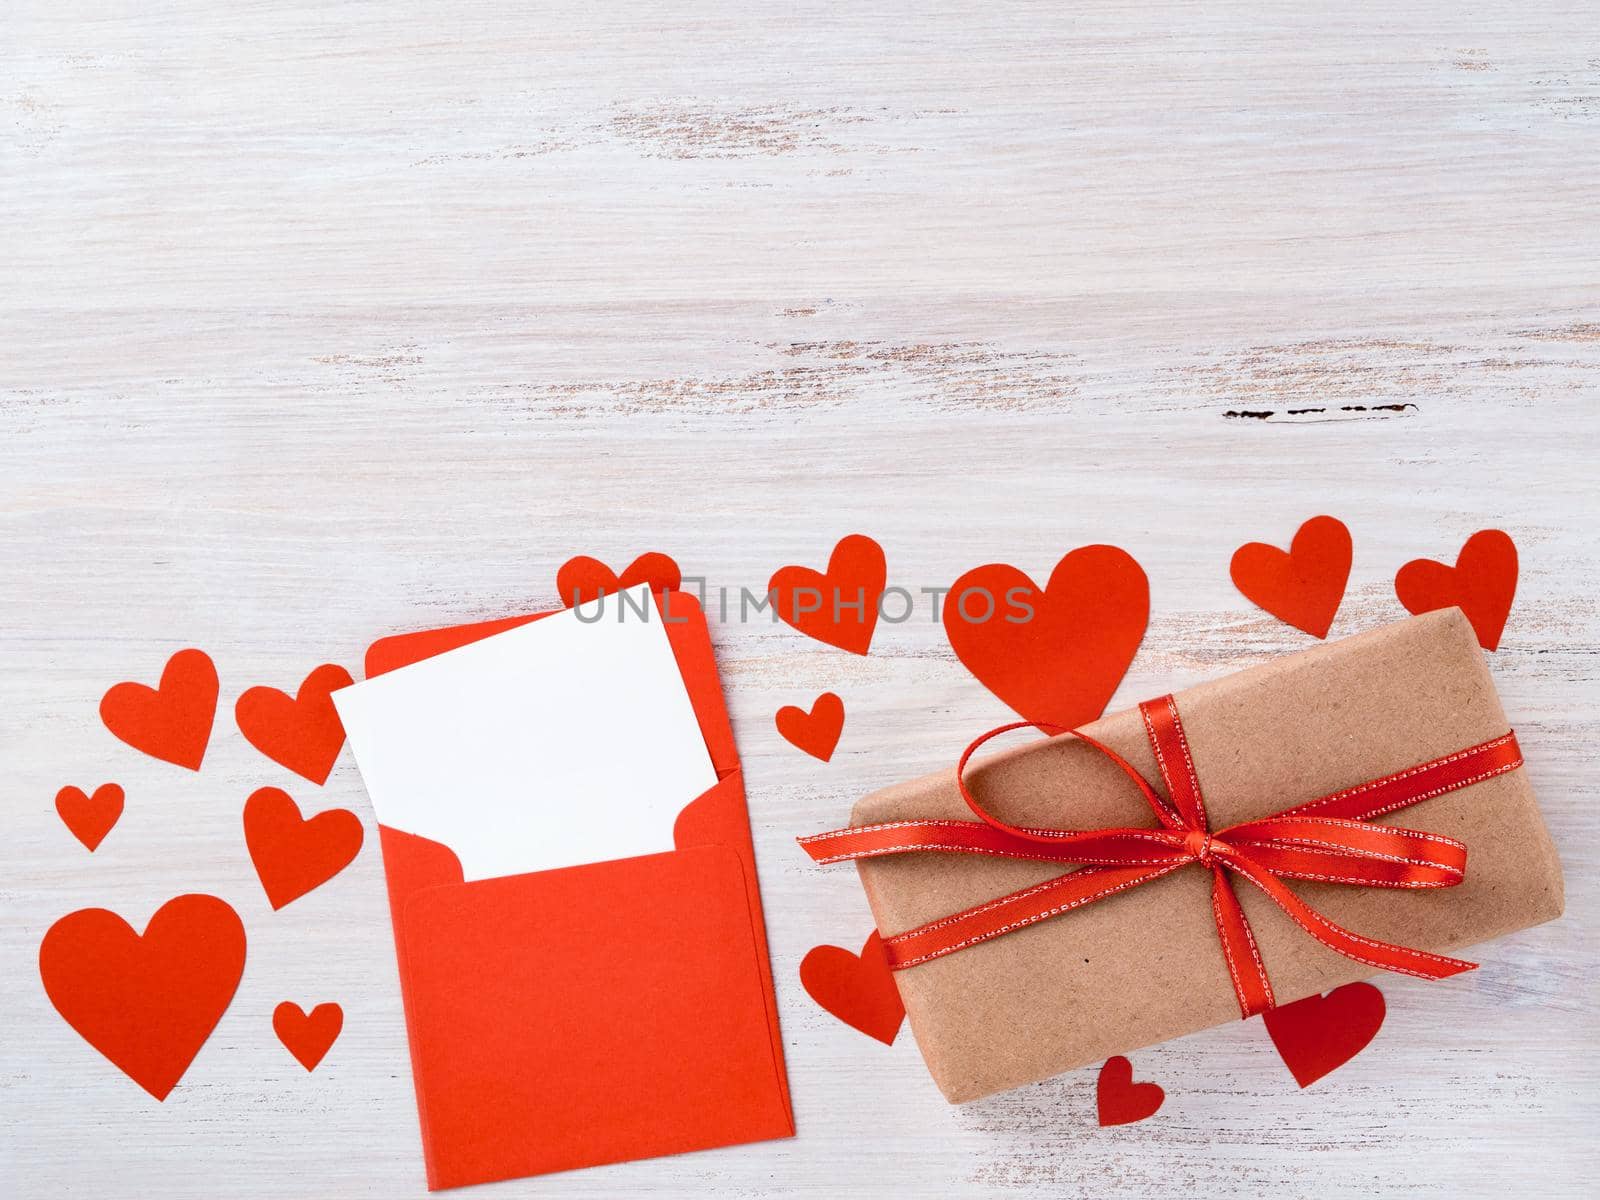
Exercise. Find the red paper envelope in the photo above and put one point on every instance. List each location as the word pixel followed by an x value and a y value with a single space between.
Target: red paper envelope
pixel 596 1013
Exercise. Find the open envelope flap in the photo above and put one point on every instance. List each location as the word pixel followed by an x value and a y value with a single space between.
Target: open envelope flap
pixel 588 1014
pixel 718 816
pixel 680 614
pixel 686 629
pixel 402 649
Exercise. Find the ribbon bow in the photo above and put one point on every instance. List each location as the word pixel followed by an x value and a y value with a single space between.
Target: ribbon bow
pixel 1330 839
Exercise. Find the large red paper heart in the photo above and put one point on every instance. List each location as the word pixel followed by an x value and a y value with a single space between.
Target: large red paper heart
pixel 145 1001
pixel 90 817
pixel 1320 1033
pixel 1482 584
pixel 307 1036
pixel 171 722
pixel 1054 656
pixel 1121 1101
pixel 292 855
pixel 1303 587
pixel 301 732
pixel 858 989
pixel 582 579
pixel 839 606
pixel 816 732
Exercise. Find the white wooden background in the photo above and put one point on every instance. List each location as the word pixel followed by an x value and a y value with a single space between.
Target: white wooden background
pixel 323 321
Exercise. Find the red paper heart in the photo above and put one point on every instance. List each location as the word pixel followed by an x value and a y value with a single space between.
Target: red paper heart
pixel 583 578
pixel 1061 665
pixel 172 722
pixel 1119 1099
pixel 293 855
pixel 816 732
pixel 1481 584
pixel 858 989
pixel 145 1001
pixel 307 1036
pixel 90 818
pixel 301 732
pixel 839 607
pixel 1303 587
pixel 1321 1033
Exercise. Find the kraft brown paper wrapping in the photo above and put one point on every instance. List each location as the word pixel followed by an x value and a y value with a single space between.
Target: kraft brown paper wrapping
pixel 1145 965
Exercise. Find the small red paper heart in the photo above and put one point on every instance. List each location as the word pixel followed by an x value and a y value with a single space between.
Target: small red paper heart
pixel 307 1036
pixel 1321 1033
pixel 839 606
pixel 816 732
pixel 90 817
pixel 171 722
pixel 1304 586
pixel 1482 584
pixel 1057 655
pixel 1119 1099
pixel 149 1001
pixel 293 855
pixel 858 989
pixel 582 579
pixel 301 732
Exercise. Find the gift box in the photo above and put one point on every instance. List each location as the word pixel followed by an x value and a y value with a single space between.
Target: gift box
pixel 1399 729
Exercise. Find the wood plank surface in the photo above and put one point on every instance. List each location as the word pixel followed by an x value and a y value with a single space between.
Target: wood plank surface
pixel 325 321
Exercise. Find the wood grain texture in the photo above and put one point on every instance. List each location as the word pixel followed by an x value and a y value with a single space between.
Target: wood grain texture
pixel 319 322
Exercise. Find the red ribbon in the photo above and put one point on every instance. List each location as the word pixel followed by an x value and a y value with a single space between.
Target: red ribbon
pixel 1330 839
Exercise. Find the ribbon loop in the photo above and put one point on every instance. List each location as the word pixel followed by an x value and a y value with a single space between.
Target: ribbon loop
pixel 1159 806
pixel 1330 839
